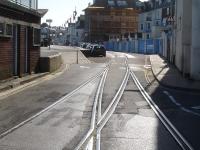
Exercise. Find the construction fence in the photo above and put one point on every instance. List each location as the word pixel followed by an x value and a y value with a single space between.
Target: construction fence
pixel 141 46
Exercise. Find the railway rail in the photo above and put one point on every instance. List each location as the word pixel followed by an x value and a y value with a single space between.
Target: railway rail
pixel 92 139
pixel 63 99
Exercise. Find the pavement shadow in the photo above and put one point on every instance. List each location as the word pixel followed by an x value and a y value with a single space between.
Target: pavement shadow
pixel 176 110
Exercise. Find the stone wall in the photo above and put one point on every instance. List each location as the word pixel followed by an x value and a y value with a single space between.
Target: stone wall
pixel 50 63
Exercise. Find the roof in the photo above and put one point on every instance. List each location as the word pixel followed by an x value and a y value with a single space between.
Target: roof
pixel 39 12
pixel 96 8
pixel 42 12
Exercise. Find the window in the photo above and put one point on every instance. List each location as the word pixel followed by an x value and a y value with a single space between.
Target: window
pixel 6 30
pixel 121 3
pixel 148 36
pixel 148 26
pixel 157 23
pixel 36 37
pixel 141 27
pixel 9 29
pixel 2 28
pixel 111 3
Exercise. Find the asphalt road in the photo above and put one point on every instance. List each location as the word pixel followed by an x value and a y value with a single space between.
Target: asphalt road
pixel 132 126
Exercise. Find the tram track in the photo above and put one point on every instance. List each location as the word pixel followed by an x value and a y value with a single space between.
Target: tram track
pixel 93 139
pixel 98 120
pixel 179 138
pixel 99 117
pixel 61 100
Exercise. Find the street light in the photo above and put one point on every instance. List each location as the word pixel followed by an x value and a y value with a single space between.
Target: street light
pixel 49 21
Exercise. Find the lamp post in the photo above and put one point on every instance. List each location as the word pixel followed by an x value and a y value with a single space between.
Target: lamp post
pixel 49 21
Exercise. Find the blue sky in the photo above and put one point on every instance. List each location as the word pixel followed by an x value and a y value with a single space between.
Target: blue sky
pixel 61 10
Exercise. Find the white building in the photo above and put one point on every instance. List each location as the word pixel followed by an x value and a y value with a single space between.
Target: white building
pixel 76 32
pixel 187 54
pixel 151 23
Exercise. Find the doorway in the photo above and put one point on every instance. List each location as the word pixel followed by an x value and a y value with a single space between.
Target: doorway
pixel 16 50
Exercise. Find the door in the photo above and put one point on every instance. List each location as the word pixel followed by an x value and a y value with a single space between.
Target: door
pixel 16 50
pixel 26 52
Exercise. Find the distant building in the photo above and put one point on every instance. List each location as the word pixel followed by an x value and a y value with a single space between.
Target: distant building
pixel 156 22
pixel 80 26
pixel 19 37
pixel 71 34
pixel 75 31
pixel 111 19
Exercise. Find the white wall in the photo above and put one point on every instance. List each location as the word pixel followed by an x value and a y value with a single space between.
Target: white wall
pixel 195 53
pixel 183 35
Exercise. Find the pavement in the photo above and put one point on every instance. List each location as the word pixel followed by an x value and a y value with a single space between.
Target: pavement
pixel 15 82
pixel 168 75
pixel 70 55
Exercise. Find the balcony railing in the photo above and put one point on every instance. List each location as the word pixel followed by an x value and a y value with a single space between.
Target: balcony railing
pixel 30 4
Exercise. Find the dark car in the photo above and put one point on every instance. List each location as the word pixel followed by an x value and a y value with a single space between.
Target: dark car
pixel 98 50
pixel 83 45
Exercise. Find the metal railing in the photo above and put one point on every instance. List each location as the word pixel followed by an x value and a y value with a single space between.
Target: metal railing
pixel 30 4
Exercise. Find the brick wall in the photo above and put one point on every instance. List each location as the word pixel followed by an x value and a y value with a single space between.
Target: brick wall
pixel 6 58
pixel 22 50
pixel 34 53
pixel 6 44
pixel 7 55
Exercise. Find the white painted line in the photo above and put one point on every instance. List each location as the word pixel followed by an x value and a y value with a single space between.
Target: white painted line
pixel 179 105
pixel 84 67
pixel 136 68
pixel 190 111
pixel 196 107
pixel 130 56
pixel 172 98
pixel 170 127
pixel 147 66
pixel 122 68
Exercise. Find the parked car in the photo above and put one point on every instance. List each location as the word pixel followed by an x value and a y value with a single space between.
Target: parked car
pixel 98 50
pixel 83 45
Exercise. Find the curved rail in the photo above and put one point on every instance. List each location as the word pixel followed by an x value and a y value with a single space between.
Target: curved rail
pixel 183 143
pixel 89 134
pixel 111 108
pixel 98 121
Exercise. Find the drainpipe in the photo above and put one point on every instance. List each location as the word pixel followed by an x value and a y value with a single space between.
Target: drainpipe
pixel 36 4
pixel 30 4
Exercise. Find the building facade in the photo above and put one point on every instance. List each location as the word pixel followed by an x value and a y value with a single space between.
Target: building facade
pixel 111 19
pixel 187 52
pixel 19 37
pixel 157 22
